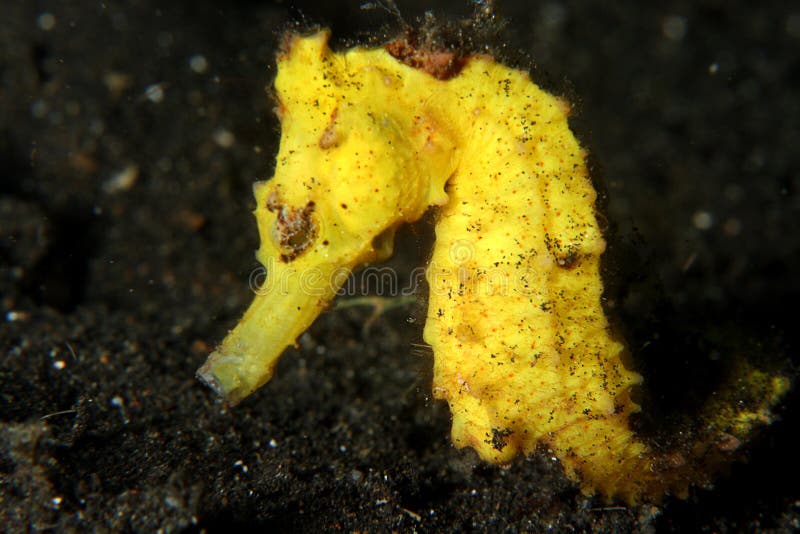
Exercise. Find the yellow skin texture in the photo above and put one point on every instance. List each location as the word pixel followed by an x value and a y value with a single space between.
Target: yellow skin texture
pixel 522 350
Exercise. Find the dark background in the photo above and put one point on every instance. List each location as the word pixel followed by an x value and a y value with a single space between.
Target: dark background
pixel 113 291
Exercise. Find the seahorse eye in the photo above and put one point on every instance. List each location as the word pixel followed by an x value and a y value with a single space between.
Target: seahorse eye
pixel 294 229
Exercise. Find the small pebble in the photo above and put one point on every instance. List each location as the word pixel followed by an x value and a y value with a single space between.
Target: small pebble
pixel 198 63
pixel 224 138
pixel 702 220
pixel 154 93
pixel 46 21
pixel 674 27
pixel 14 316
pixel 122 180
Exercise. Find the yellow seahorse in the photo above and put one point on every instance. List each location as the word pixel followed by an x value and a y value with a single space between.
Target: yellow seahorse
pixel 523 353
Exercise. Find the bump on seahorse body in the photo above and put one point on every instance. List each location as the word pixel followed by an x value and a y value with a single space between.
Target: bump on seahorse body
pixel 523 352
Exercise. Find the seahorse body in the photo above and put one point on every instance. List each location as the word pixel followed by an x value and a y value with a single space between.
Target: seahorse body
pixel 523 353
pixel 522 349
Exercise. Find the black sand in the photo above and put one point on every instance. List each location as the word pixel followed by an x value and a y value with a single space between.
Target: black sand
pixel 126 241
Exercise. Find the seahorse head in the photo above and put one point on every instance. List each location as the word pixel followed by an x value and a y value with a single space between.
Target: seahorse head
pixel 353 162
